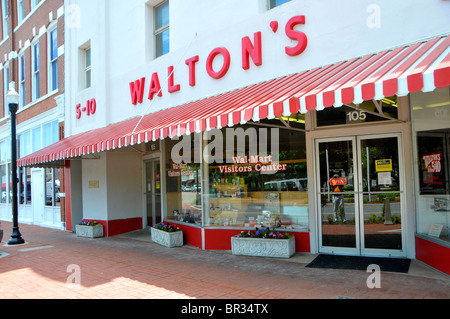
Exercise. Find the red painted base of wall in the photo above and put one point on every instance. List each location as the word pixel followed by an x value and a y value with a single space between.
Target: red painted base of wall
pixel 215 239
pixel 120 226
pixel 191 235
pixel 432 254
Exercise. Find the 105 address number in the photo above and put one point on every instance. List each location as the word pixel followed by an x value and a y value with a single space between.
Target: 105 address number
pixel 356 116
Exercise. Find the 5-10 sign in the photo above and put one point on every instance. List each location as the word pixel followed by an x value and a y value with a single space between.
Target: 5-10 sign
pixel 89 109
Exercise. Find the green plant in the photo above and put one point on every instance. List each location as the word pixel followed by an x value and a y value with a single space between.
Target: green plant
pixel 266 233
pixel 85 222
pixel 167 227
pixel 330 219
pixel 341 214
pixel 396 219
pixel 373 218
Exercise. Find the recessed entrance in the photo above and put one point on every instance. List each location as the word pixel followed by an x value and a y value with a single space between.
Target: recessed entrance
pixel 360 195
pixel 153 191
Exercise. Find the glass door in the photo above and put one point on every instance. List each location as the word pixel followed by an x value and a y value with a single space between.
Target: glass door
pixel 380 195
pixel 360 195
pixel 339 222
pixel 153 191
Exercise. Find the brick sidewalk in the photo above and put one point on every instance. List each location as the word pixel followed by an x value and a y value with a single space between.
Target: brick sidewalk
pixel 115 268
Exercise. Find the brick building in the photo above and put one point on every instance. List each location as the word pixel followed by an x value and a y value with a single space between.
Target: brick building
pixel 32 59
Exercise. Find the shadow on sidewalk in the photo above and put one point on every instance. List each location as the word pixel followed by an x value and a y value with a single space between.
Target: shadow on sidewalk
pixel 109 263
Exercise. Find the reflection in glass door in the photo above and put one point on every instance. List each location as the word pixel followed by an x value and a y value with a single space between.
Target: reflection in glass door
pixel 380 195
pixel 153 191
pixel 337 196
pixel 360 195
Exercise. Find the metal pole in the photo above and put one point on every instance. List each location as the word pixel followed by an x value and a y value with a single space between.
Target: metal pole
pixel 16 237
pixel 368 174
pixel 328 175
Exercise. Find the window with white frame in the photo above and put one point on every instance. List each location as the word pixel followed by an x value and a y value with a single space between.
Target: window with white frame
pixel 87 67
pixel 50 133
pixel 35 71
pixel 5 18
pixel 20 11
pixel 24 144
pixel 53 60
pixel 28 142
pixel 6 87
pixel 276 3
pixel 34 4
pixel 52 187
pixel 24 174
pixel 161 30
pixel 21 81
pixel 24 186
pixel 36 139
pixel 4 169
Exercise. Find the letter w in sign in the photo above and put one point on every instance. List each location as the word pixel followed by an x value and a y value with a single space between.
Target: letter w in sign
pixel 137 91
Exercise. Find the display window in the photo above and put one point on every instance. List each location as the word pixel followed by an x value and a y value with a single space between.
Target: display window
pixel 246 177
pixel 431 123
pixel 261 182
pixel 183 180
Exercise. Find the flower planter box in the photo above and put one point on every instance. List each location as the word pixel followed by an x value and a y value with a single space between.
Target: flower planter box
pixel 172 239
pixel 261 247
pixel 89 231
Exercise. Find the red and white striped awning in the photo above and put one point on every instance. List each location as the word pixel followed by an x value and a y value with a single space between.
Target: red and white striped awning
pixel 422 66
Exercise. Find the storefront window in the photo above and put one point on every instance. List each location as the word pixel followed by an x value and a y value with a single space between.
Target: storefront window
pixel 52 185
pixel 431 123
pixel 4 158
pixel 4 177
pixel 183 180
pixel 259 181
pixel 24 187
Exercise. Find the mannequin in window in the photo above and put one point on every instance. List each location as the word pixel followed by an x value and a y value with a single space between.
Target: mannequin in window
pixel 337 187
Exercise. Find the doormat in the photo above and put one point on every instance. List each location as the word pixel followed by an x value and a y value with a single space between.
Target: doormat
pixel 360 263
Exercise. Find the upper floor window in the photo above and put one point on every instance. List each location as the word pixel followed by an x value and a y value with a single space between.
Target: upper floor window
pixel 24 144
pixel 20 11
pixel 34 4
pixel 6 88
pixel 50 133
pixel 276 3
pixel 22 81
pixel 161 30
pixel 36 139
pixel 87 67
pixel 5 18
pixel 35 71
pixel 53 60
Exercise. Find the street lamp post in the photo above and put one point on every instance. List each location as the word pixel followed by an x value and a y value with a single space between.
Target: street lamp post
pixel 12 98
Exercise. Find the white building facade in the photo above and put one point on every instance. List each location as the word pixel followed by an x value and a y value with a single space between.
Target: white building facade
pixel 334 84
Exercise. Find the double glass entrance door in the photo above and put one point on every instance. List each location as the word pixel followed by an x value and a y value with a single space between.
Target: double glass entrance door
pixel 360 195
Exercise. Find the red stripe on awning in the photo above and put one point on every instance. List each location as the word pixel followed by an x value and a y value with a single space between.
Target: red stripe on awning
pixel 421 66
pixel 390 83
pixel 415 77
pixel 442 73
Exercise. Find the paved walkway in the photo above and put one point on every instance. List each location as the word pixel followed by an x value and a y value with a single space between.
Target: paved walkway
pixel 57 264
